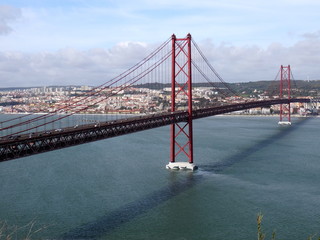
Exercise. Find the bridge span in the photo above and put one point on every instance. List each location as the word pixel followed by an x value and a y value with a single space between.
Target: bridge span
pixel 23 145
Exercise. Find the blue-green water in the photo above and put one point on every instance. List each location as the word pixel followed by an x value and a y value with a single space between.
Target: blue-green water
pixel 119 188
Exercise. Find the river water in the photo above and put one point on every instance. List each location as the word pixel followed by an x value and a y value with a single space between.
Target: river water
pixel 119 188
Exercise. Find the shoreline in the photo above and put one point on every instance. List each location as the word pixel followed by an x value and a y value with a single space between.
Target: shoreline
pixel 263 115
pixel 138 114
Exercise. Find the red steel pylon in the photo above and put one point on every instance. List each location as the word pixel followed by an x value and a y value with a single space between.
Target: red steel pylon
pixel 285 89
pixel 181 88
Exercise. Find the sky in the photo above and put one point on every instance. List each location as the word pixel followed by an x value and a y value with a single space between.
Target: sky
pixel 82 42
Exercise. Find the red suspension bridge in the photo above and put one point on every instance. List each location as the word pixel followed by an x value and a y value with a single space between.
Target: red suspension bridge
pixel 177 64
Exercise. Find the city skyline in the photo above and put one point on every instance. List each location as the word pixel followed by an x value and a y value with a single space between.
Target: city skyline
pixel 76 42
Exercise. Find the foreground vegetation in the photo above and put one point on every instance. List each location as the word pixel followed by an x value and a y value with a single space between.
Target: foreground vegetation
pixel 262 235
pixel 29 231
pixel 26 232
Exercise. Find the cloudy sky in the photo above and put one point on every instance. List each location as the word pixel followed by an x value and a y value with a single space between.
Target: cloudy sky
pixel 51 42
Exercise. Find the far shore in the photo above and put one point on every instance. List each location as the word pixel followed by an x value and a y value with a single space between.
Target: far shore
pixel 135 114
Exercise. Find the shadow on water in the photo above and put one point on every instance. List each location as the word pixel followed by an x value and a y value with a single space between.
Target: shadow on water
pixel 283 132
pixel 126 213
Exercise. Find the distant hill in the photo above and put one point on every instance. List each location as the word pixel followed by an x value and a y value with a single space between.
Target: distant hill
pixel 298 87
pixel 25 88
pixel 306 88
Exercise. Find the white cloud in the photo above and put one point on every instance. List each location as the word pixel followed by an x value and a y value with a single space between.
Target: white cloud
pixel 96 66
pixel 252 63
pixel 68 66
pixel 7 14
pixel 85 42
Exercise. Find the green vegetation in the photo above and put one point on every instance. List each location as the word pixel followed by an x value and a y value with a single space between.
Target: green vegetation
pixel 29 231
pixel 262 235
pixel 246 89
pixel 298 88
pixel 26 232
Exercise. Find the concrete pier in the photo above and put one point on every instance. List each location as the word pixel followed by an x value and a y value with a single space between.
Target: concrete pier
pixel 181 165
pixel 284 123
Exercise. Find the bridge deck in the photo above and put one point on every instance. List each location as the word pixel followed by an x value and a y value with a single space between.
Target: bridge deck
pixel 29 144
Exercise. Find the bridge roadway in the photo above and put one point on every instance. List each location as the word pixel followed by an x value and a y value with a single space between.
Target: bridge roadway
pixel 29 144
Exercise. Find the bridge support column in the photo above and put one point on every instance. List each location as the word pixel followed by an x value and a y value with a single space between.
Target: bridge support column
pixel 181 91
pixel 285 88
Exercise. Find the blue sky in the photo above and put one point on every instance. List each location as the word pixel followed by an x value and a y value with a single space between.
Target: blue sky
pixel 33 31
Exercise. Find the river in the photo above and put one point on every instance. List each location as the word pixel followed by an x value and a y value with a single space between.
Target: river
pixel 119 188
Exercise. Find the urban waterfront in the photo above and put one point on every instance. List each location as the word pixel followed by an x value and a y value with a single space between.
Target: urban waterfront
pixel 119 188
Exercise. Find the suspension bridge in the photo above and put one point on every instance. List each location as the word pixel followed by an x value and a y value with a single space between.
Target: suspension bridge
pixel 178 63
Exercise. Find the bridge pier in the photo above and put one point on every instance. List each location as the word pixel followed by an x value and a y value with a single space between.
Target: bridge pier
pixel 181 166
pixel 284 123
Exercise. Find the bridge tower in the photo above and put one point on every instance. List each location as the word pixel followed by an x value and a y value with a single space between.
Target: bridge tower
pixel 285 89
pixel 181 144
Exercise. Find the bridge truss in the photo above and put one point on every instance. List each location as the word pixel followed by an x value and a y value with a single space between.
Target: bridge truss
pixel 26 145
